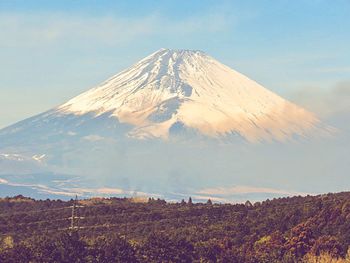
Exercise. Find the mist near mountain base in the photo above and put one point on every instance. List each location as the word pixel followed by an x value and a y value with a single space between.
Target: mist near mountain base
pixel 179 168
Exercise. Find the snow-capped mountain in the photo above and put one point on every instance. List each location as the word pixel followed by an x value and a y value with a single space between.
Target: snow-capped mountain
pixel 184 88
pixel 145 128
pixel 172 90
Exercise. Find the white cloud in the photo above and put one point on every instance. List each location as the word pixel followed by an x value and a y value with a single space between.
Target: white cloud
pixel 240 190
pixel 107 190
pixel 101 192
pixel 204 198
pixel 93 138
pixel 3 181
pixel 39 187
pixel 84 192
pixel 71 133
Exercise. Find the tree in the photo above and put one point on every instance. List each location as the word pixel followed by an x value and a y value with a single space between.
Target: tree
pixel 301 240
pixel 190 201
pixel 328 244
pixel 115 249
pixel 209 251
pixel 248 204
pixel 68 248
pixel 158 247
pixel 19 253
pixel 270 248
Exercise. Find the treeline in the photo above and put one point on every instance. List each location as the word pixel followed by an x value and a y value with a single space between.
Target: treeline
pixel 296 229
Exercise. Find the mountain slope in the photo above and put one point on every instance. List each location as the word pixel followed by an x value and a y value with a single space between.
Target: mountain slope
pixel 174 123
pixel 182 88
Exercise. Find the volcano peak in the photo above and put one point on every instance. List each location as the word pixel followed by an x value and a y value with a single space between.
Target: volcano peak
pixel 189 87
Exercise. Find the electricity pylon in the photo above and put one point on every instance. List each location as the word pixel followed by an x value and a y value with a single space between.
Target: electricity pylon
pixel 74 223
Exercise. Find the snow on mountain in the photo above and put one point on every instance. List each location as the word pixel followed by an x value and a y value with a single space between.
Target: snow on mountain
pixel 21 158
pixel 168 94
pixel 171 89
pixel 201 114
pixel 20 163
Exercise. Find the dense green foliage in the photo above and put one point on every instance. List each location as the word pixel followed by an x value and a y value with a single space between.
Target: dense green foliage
pixel 121 230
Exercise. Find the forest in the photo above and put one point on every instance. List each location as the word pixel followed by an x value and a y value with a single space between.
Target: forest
pixel 290 229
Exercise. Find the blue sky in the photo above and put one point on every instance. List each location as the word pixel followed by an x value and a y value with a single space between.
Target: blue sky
pixel 51 51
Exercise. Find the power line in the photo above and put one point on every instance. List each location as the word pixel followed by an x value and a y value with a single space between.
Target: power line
pixel 120 224
pixel 108 224
pixel 33 212
pixel 40 222
pixel 75 215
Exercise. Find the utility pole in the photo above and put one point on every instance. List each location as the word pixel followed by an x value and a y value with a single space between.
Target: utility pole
pixel 73 214
pixel 74 219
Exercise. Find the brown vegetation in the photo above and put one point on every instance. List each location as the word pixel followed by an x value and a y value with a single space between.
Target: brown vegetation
pixel 297 229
